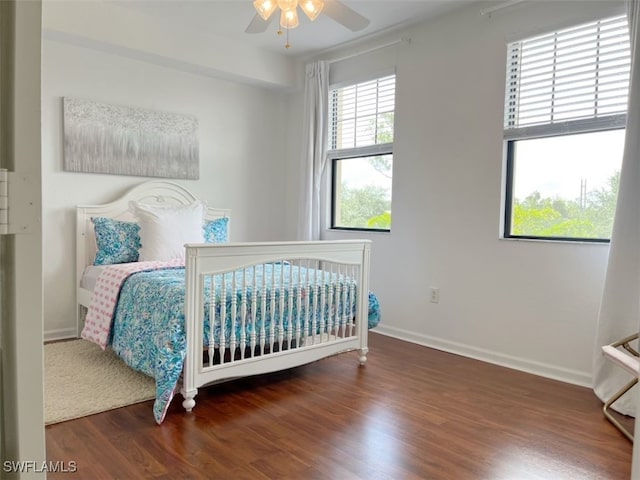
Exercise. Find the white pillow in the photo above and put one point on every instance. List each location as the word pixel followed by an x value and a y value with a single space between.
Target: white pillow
pixel 164 229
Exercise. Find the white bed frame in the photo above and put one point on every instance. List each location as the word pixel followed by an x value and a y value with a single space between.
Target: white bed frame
pixel 203 260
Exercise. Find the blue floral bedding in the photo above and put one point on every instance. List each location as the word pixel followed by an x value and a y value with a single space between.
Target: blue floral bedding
pixel 148 327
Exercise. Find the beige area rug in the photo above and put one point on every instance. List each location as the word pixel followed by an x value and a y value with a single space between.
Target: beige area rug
pixel 82 379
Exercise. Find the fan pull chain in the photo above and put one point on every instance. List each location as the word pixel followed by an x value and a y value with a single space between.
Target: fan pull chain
pixel 280 32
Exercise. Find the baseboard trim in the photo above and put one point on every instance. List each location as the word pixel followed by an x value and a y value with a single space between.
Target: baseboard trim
pixel 60 334
pixel 566 375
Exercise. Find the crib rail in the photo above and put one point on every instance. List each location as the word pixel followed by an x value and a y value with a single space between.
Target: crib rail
pixel 255 308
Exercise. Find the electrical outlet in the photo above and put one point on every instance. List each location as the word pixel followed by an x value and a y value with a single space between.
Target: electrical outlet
pixel 435 294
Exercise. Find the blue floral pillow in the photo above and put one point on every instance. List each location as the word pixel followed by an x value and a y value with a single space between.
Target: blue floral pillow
pixel 217 231
pixel 117 241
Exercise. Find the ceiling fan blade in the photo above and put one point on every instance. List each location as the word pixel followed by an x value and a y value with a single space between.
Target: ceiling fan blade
pixel 344 15
pixel 258 24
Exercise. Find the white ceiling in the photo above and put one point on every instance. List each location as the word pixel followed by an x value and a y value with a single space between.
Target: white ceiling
pixel 229 19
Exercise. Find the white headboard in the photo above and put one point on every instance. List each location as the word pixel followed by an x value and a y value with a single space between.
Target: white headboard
pixel 153 192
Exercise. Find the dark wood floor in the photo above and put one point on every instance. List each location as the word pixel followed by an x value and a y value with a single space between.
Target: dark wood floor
pixel 411 413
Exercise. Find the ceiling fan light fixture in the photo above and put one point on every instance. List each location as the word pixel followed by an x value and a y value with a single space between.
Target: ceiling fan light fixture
pixel 312 8
pixel 265 7
pixel 289 19
pixel 339 12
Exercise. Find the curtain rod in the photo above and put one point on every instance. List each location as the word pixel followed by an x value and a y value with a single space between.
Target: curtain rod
pixel 372 49
pixel 500 6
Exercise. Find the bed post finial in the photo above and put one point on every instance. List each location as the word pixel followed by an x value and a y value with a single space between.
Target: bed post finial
pixel 363 355
pixel 189 399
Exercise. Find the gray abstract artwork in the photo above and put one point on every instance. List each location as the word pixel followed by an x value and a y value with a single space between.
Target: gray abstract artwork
pixel 119 140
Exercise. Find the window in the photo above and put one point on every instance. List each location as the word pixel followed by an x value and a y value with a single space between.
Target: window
pixel 361 154
pixel 565 113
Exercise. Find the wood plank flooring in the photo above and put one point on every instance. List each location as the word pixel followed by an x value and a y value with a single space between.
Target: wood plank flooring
pixel 410 413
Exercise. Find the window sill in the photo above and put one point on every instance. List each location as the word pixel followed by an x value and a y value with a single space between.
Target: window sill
pixel 553 241
pixel 348 231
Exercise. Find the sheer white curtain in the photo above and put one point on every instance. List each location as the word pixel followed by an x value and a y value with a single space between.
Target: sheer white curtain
pixel 315 135
pixel 620 307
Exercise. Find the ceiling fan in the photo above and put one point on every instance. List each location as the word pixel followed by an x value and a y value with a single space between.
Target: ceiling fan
pixel 334 9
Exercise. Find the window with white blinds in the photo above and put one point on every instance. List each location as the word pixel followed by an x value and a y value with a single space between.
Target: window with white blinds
pixel 361 123
pixel 570 81
pixel 361 115
pixel 564 130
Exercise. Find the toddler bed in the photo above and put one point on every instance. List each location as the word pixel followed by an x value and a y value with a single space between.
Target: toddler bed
pixel 220 310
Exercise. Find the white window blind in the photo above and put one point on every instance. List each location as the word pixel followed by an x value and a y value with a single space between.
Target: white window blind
pixel 362 115
pixel 570 81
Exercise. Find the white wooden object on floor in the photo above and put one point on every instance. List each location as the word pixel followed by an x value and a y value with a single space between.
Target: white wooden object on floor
pixel 626 357
pixel 292 341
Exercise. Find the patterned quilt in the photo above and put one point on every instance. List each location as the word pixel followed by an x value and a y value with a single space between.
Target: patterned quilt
pixel 148 324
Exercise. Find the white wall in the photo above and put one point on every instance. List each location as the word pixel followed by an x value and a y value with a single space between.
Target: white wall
pixel 241 153
pixel 529 305
pixel 108 26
